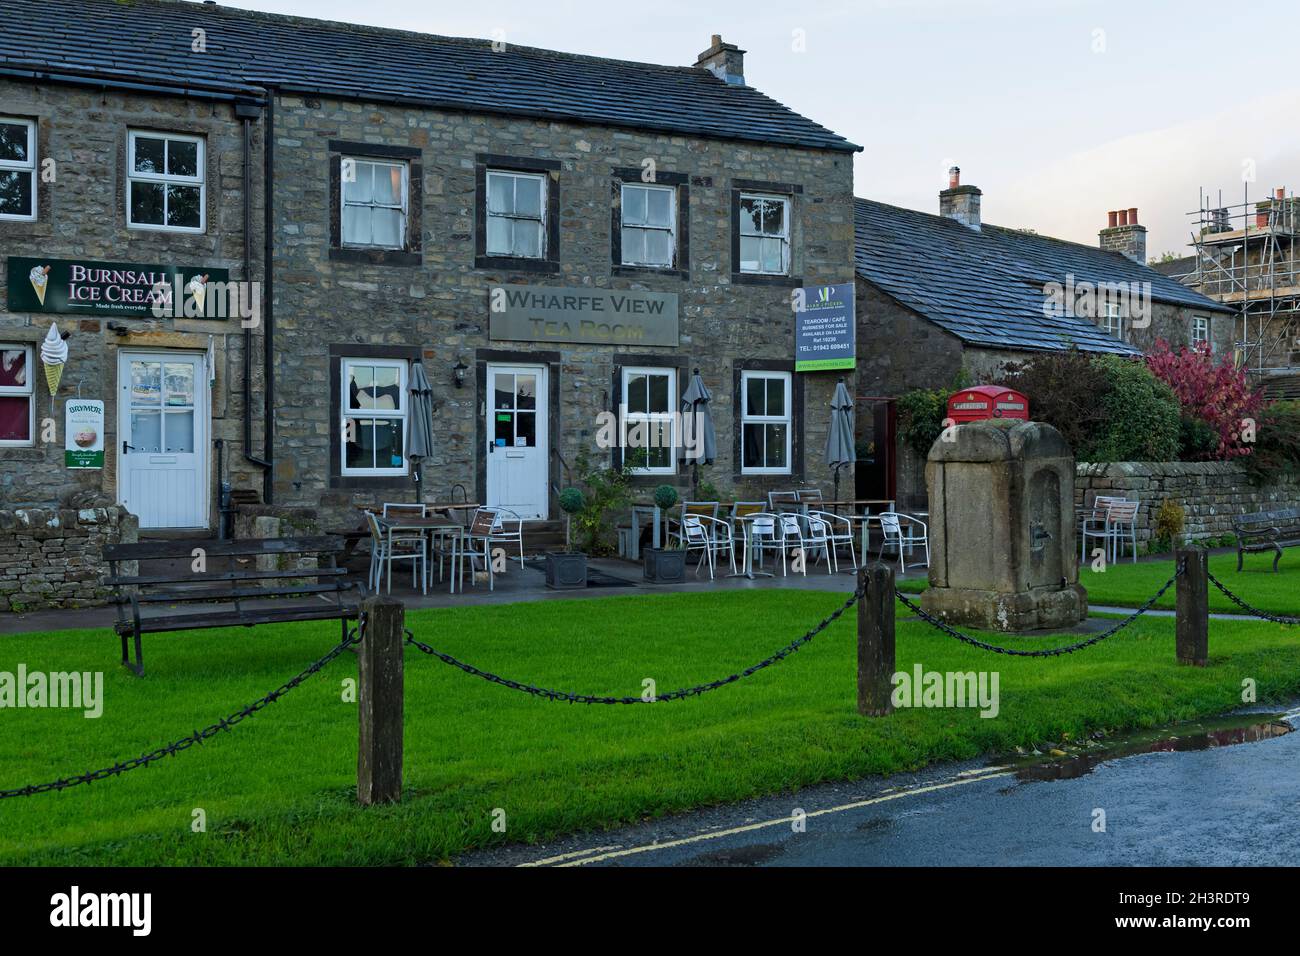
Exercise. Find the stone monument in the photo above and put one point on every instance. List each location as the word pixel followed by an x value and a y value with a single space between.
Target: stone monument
pixel 1002 529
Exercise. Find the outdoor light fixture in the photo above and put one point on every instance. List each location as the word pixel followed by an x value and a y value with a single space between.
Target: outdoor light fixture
pixel 460 369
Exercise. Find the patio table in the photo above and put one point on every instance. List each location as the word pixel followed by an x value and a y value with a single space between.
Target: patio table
pixel 748 571
pixel 435 526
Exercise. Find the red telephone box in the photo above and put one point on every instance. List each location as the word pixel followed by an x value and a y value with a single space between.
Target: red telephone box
pixel 987 401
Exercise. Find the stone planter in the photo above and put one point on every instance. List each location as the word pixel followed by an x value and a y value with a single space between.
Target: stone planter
pixel 664 566
pixel 566 570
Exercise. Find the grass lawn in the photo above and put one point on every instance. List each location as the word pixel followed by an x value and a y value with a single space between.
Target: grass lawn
pixel 1129 585
pixel 278 789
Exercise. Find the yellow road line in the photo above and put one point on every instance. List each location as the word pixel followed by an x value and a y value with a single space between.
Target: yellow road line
pixel 608 853
pixel 550 860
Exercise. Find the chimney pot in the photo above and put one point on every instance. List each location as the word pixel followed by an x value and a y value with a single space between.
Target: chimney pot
pixel 726 61
pixel 1112 219
pixel 1280 192
pixel 1123 217
pixel 954 177
pixel 1132 216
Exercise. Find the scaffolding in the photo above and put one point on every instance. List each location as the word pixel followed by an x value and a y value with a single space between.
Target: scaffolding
pixel 1248 257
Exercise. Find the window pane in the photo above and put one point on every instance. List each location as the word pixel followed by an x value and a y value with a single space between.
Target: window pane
pixel 659 454
pixel 500 193
pixel 178 377
pixel 634 205
pixel 388 443
pixel 13 142
pixel 356 225
pixel 388 185
pixel 386 227
pixel 360 452
pixel 659 393
pixel 498 237
pixel 149 155
pixel 182 158
pixel 13 368
pixel 180 432
pixel 15 418
pixel 773 253
pixel 146 383
pixel 633 246
pixel 774 217
pixel 776 446
pixel 775 397
pixel 528 239
pixel 146 430
pixel 528 197
pixel 637 393
pixel 751 216
pixel 755 402
pixel 659 210
pixel 147 203
pixel 183 206
pixel 361 379
pixel 749 253
pixel 360 187
pixel 526 391
pixel 752 446
pixel 504 391
pixel 15 193
pixel 659 248
pixel 526 428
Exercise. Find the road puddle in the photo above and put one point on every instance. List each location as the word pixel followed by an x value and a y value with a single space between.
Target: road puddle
pixel 1069 761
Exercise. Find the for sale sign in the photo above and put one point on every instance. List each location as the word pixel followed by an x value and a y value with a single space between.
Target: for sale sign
pixel 824 325
pixel 83 424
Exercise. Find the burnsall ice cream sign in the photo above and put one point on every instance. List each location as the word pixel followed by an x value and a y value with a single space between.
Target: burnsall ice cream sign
pixel 591 316
pixel 87 287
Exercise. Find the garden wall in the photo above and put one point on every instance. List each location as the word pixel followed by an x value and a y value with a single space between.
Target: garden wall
pixel 53 557
pixel 1211 493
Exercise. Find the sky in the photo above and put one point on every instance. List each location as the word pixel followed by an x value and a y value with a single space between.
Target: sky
pixel 1058 110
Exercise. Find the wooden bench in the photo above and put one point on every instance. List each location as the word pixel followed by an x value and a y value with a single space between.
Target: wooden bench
pixel 1267 531
pixel 331 597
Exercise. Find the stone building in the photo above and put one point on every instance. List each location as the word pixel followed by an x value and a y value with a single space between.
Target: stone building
pixel 938 295
pixel 549 236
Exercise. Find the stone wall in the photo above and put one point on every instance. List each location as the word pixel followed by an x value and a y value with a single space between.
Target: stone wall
pixel 53 557
pixel 1211 493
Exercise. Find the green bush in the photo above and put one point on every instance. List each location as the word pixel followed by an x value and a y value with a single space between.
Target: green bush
pixel 1141 421
pixel 920 418
pixel 1168 525
pixel 1197 441
pixel 1276 450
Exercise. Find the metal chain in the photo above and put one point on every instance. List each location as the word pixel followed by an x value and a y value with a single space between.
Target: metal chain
pixel 198 737
pixel 1250 609
pixel 671 695
pixel 1045 652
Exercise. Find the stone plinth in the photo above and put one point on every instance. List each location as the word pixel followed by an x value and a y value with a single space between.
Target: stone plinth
pixel 1002 528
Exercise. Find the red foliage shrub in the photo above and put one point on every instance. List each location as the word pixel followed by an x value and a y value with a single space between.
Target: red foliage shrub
pixel 1214 392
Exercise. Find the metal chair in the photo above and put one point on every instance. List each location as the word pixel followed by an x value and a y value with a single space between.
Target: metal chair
pixel 791 528
pixel 508 529
pixel 839 532
pixel 477 536
pixel 902 530
pixel 709 536
pixel 1092 524
pixel 385 549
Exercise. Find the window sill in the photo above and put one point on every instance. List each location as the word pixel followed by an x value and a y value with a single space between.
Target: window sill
pixel 760 278
pixel 376 257
pixel 639 271
pixel 512 264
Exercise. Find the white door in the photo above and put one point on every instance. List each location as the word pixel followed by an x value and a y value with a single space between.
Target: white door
pixel 517 444
pixel 162 430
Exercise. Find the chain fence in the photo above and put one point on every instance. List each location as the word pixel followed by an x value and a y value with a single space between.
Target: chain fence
pixel 1250 608
pixel 681 694
pixel 1047 651
pixel 188 741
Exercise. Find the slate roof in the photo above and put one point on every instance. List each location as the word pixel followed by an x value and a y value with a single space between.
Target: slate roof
pixel 1179 268
pixel 148 41
pixel 986 287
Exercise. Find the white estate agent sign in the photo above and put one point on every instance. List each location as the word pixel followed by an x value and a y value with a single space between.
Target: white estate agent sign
pixel 83 433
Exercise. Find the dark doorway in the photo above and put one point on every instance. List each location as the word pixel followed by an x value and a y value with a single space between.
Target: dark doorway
pixel 877 443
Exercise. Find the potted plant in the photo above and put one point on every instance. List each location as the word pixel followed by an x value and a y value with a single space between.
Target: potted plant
pixel 666 565
pixel 567 569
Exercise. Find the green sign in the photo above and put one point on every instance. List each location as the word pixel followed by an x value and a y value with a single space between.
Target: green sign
pixel 83 433
pixel 824 328
pixel 89 287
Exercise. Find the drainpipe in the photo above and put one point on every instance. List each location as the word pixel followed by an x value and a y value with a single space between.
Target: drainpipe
pixel 247 112
pixel 268 311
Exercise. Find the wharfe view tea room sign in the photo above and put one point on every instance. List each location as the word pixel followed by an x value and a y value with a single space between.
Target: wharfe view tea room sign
pixel 87 287
pixel 522 313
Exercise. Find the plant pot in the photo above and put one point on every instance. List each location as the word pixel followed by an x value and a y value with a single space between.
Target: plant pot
pixel 566 570
pixel 664 566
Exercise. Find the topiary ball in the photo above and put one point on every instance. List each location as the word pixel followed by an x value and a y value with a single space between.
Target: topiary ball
pixel 665 496
pixel 571 500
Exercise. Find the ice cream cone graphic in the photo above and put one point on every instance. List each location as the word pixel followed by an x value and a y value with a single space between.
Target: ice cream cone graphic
pixel 54 355
pixel 198 288
pixel 40 280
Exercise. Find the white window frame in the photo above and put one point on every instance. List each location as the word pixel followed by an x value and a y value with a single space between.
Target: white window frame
pixel 403 206
pixel 488 215
pixel 199 179
pixel 1112 321
pixel 401 413
pixel 783 235
pixel 27 391
pixel 671 228
pixel 658 418
pixel 787 419
pixel 1199 323
pixel 15 166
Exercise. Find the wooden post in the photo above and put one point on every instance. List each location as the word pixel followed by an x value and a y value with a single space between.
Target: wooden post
pixel 379 702
pixel 876 639
pixel 1192 627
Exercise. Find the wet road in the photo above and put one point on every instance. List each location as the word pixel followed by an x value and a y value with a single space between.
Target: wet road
pixel 1230 805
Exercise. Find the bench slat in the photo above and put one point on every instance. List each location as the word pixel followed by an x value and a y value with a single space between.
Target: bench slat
pixel 252 575
pixel 194 622
pixel 150 550
pixel 230 594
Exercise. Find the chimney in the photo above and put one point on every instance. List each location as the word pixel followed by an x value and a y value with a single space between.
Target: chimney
pixel 1124 234
pixel 959 202
pixel 726 61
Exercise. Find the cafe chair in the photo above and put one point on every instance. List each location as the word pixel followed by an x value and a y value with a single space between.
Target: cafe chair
pixel 1092 524
pixel 509 530
pixel 385 548
pixel 709 536
pixel 906 533
pixel 476 543
pixel 838 531
pixel 806 533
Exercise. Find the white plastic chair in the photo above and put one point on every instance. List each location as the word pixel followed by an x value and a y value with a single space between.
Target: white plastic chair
pixel 839 532
pixel 763 533
pixel 906 533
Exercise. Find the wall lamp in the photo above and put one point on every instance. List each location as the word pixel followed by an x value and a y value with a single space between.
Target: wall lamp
pixel 459 371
